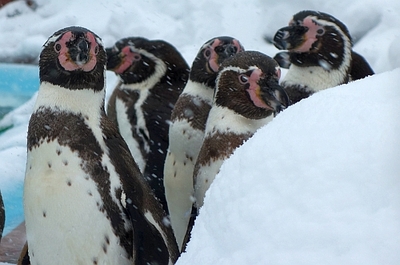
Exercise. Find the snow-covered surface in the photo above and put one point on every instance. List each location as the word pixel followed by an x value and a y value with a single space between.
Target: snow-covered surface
pixel 318 185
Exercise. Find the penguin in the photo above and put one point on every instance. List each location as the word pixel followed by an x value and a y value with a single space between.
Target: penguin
pixel 247 97
pixel 152 75
pixel 85 200
pixel 187 126
pixel 320 55
pixel 2 216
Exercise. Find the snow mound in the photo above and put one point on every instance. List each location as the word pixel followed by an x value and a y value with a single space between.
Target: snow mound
pixel 320 184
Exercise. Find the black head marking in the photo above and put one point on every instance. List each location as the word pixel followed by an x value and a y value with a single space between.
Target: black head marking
pixel 73 58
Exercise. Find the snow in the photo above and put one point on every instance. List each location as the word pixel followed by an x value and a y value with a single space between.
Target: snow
pixel 320 184
pixel 317 185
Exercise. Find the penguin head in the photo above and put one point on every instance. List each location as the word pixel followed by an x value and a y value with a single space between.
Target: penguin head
pixel 248 83
pixel 314 39
pixel 209 58
pixel 130 60
pixel 135 59
pixel 73 57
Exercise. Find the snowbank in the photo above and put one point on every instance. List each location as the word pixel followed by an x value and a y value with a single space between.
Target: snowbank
pixel 320 184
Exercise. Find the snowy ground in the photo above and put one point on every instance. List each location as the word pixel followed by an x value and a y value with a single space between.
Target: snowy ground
pixel 318 185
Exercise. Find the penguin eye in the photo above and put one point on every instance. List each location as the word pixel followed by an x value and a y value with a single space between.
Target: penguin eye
pixel 207 53
pixel 96 49
pixel 57 47
pixel 243 79
pixel 320 32
pixel 137 57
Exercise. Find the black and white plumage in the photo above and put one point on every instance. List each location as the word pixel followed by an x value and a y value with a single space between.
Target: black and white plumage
pixel 85 201
pixel 248 95
pixel 320 54
pixel 153 74
pixel 187 129
pixel 2 216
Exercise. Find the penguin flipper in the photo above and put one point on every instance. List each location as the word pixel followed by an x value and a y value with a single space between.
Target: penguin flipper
pixel 111 112
pixel 178 184
pixel 24 256
pixel 151 241
pixel 188 234
pixel 150 245
pixel 359 67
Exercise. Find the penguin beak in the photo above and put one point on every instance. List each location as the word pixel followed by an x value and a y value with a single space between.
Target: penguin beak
pixel 283 59
pixel 289 38
pixel 274 95
pixel 227 51
pixel 113 59
pixel 80 52
pixel 218 51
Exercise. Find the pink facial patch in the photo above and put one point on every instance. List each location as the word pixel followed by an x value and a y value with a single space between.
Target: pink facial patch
pixel 128 58
pixel 311 35
pixel 254 90
pixel 213 60
pixel 64 58
pixel 237 45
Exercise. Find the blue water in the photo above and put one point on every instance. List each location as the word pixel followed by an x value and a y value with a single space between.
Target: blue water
pixel 12 198
pixel 17 85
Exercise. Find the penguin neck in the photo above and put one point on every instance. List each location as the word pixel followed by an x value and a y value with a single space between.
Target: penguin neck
pixel 314 78
pixel 85 102
pixel 199 90
pixel 160 70
pixel 224 120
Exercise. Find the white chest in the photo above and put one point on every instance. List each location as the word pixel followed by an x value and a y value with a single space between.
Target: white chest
pixel 224 120
pixel 186 140
pixel 63 221
pixel 314 78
